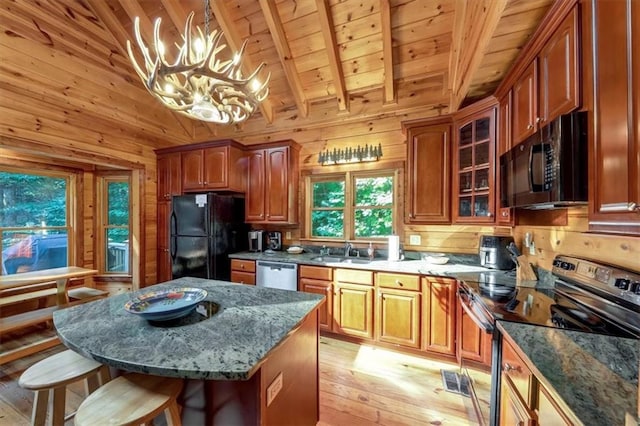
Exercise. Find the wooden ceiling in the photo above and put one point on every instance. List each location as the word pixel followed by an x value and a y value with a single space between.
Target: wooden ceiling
pixel 329 60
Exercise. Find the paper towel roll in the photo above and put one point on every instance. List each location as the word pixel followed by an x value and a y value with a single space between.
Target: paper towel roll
pixel 394 248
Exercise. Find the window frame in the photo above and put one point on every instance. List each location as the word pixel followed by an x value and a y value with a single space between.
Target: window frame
pixel 349 177
pixel 102 221
pixel 72 214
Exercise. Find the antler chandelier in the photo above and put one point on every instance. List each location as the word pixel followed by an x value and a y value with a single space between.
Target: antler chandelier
pixel 199 84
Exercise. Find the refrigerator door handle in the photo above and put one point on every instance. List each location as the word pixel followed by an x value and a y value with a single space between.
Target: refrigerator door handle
pixel 173 229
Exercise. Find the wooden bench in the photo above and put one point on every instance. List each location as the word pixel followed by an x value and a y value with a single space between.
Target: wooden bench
pixel 36 286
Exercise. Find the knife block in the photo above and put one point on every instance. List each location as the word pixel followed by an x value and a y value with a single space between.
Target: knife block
pixel 524 271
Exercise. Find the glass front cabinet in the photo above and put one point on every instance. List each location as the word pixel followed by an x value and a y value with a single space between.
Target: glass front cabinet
pixel 474 167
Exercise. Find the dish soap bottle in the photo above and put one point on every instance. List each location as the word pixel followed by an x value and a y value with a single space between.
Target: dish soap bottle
pixel 370 251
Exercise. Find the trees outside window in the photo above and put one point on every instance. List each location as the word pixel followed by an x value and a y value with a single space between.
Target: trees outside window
pixel 114 246
pixel 351 205
pixel 34 221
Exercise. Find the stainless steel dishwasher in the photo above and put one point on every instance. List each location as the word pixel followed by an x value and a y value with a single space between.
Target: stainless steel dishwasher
pixel 277 275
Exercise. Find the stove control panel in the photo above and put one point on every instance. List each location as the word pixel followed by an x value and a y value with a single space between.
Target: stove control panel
pixel 618 282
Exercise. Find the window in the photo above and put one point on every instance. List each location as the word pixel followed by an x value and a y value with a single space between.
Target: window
pixel 114 219
pixel 35 220
pixel 351 205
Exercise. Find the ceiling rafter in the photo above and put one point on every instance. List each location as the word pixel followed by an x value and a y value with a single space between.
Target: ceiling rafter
pixel 329 34
pixel 234 41
pixel 121 35
pixel 474 25
pixel 387 53
pixel 270 12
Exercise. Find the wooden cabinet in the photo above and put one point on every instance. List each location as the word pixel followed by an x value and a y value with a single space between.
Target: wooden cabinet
pixel 214 168
pixel 474 164
pixel 549 410
pixel 513 410
pixel 614 149
pixel 353 302
pixel 319 280
pixel 398 309
pixel 272 184
pixel 549 86
pixel 243 271
pixel 438 313
pixel 169 176
pixel 519 374
pixel 473 344
pixel 428 181
pixel 504 215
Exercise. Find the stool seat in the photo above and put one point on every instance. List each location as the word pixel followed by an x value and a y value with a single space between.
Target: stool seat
pixel 55 373
pixel 131 399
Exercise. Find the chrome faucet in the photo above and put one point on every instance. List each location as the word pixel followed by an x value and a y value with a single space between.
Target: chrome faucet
pixel 347 248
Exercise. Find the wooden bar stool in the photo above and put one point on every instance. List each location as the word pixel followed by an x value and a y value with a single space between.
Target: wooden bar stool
pixel 55 373
pixel 132 399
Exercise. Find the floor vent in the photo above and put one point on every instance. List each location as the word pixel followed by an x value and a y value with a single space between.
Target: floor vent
pixel 454 382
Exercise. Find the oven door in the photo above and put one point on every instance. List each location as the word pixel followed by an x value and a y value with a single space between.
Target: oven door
pixel 476 311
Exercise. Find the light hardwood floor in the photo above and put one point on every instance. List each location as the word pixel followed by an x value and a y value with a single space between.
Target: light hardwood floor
pixel 359 385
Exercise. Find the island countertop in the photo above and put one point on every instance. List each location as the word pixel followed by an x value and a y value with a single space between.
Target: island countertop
pixel 229 345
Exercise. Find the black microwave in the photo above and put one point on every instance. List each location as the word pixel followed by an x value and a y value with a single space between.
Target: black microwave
pixel 549 168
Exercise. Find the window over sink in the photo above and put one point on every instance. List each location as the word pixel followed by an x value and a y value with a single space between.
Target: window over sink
pixel 351 205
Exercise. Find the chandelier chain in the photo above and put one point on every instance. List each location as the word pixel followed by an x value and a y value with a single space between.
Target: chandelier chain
pixel 207 14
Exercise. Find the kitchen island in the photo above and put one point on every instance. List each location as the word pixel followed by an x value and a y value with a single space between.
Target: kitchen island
pixel 249 355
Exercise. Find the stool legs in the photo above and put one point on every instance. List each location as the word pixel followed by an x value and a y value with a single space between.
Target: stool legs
pixel 59 401
pixel 40 403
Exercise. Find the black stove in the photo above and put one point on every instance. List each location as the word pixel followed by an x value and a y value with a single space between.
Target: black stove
pixel 586 296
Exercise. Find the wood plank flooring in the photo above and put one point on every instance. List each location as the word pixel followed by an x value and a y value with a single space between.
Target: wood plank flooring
pixel 359 385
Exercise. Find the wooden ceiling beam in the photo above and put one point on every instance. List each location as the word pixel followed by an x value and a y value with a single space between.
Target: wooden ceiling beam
pixel 329 35
pixel 270 12
pixel 474 25
pixel 232 35
pixel 121 35
pixel 387 53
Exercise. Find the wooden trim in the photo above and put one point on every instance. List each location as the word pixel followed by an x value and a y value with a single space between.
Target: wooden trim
pixel 480 106
pixel 327 27
pixel 548 25
pixel 202 145
pixel 271 16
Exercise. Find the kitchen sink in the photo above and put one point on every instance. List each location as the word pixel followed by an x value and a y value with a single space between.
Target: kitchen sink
pixel 335 259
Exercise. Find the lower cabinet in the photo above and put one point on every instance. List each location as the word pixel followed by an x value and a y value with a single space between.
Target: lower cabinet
pixel 319 280
pixel 243 271
pixel 513 410
pixel 398 309
pixel 353 303
pixel 438 315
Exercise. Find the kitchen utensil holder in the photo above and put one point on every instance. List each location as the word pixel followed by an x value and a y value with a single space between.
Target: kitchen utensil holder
pixel 524 271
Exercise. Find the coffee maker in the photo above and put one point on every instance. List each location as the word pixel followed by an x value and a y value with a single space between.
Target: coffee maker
pixel 256 240
pixel 274 240
pixel 493 252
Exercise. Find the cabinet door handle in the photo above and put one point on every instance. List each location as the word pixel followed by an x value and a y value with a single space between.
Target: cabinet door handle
pixel 530 126
pixel 206 183
pixel 538 119
pixel 619 207
pixel 505 213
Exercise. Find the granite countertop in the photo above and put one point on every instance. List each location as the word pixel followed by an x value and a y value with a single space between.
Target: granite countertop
pixel 229 345
pixel 595 375
pixel 457 263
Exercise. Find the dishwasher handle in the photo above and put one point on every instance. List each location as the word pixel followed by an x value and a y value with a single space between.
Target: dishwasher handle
pixel 277 265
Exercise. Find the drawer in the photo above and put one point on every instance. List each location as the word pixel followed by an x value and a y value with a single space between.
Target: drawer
pixel 399 281
pixel 243 265
pixel 316 272
pixel 518 372
pixel 243 277
pixel 355 276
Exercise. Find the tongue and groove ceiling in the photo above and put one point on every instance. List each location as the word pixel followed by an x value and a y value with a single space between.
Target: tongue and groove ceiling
pixel 330 60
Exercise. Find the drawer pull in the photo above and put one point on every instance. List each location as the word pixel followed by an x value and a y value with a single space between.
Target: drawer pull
pixel 241 266
pixel 399 283
pixel 619 207
pixel 508 367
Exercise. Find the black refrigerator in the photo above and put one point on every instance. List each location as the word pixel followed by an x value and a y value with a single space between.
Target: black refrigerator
pixel 205 229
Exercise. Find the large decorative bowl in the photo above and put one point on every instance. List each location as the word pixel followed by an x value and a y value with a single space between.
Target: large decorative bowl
pixel 164 305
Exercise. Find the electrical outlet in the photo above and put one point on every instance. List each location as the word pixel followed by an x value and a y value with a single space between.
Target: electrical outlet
pixel 274 388
pixel 415 240
pixel 287 235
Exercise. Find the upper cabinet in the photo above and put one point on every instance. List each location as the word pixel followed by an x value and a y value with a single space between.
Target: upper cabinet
pixel 549 85
pixel 505 215
pixel 614 153
pixel 169 176
pixel 474 163
pixel 272 183
pixel 428 197
pixel 214 168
